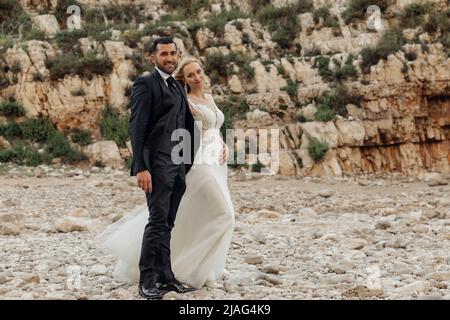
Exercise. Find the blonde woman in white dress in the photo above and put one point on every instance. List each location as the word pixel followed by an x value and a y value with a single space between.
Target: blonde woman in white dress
pixel 204 221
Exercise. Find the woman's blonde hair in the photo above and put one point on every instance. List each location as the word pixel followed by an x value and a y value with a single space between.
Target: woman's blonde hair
pixel 180 74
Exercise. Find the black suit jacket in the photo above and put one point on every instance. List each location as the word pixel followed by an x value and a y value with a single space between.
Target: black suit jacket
pixel 152 113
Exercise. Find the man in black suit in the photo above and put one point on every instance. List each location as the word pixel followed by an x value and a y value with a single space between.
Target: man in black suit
pixel 159 106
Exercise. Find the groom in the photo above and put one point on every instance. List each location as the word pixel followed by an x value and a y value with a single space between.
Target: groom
pixel 158 107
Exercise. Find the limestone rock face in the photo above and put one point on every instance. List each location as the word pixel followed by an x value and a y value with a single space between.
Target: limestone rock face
pixel 267 81
pixel 258 116
pixel 233 37
pixel 204 38
pixel 117 52
pixel 287 164
pixel 401 123
pixel 235 84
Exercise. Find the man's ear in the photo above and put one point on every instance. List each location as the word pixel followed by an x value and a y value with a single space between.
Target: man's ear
pixel 152 58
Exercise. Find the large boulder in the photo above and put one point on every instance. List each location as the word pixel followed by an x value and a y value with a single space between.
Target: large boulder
pixel 323 131
pixel 350 133
pixel 46 23
pixel 71 224
pixel 11 224
pixel 105 153
pixel 9 229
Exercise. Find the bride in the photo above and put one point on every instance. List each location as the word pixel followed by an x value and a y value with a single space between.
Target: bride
pixel 205 218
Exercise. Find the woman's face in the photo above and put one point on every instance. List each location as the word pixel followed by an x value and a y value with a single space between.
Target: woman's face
pixel 193 75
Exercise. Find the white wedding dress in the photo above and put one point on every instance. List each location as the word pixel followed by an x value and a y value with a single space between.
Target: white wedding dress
pixel 204 222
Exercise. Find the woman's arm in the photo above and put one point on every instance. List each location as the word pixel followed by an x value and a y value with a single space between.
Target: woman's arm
pixel 193 110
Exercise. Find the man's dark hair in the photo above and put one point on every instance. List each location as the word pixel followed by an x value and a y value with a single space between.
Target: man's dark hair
pixel 161 40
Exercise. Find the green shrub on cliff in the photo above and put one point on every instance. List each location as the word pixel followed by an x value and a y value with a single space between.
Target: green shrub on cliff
pixel 83 66
pixel 329 20
pixel 13 19
pixel 217 65
pixel 390 42
pixel 334 102
pixel 291 89
pixel 57 145
pixel 37 129
pixel 67 40
pixel 82 137
pixel 283 23
pixel 11 109
pixel 234 107
pixel 340 73
pixel 187 8
pixel 316 148
pixel 10 130
pixel 114 127
pixel 23 153
pixel 216 23
pixel 35 141
pixel 324 113
pixel 413 15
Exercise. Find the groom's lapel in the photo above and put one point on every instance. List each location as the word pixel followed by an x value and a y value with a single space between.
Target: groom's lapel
pixel 161 82
pixel 183 93
pixel 166 94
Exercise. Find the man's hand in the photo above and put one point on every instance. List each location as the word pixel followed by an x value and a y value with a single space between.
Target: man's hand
pixel 144 180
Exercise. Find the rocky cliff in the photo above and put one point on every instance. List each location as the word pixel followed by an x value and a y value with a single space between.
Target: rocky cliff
pixel 350 92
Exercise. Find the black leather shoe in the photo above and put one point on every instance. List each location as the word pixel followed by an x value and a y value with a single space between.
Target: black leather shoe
pixel 150 293
pixel 176 286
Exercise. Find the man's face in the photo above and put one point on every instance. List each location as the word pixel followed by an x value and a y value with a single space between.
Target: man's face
pixel 166 57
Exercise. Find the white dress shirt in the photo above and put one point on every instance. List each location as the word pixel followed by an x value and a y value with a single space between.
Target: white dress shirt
pixel 164 75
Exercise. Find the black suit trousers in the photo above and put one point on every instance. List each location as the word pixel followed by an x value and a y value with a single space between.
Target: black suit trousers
pixel 168 186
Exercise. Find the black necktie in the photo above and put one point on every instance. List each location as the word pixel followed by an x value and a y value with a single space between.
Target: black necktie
pixel 172 86
pixel 171 82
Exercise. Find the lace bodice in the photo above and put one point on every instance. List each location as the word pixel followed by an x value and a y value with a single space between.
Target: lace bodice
pixel 211 119
pixel 209 114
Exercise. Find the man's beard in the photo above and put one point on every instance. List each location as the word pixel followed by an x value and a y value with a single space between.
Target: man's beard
pixel 162 68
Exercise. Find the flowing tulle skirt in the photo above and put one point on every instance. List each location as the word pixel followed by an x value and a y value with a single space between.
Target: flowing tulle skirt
pixel 200 238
